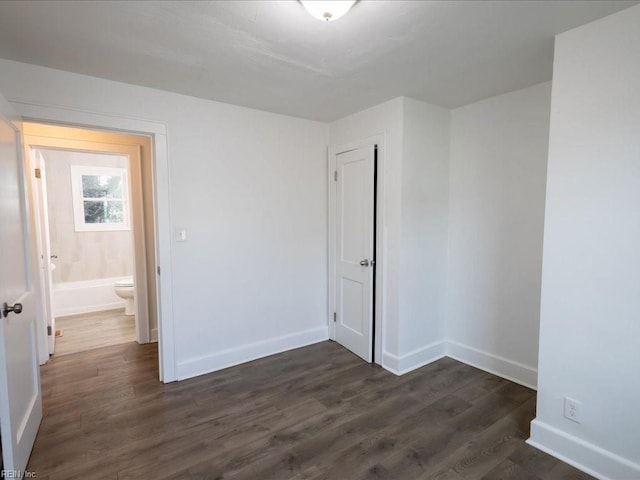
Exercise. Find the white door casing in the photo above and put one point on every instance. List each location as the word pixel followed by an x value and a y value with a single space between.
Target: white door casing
pixel 162 204
pixel 355 250
pixel 20 396
pixel 44 244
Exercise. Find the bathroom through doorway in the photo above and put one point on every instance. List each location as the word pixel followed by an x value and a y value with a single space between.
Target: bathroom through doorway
pixel 92 193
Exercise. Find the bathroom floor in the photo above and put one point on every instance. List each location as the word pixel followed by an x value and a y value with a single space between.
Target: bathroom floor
pixel 93 330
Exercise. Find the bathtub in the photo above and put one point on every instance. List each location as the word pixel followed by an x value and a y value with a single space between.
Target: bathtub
pixel 72 298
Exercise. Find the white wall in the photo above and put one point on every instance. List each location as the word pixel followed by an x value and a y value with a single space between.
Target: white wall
pixel 497 191
pixel 590 318
pixel 250 189
pixel 423 248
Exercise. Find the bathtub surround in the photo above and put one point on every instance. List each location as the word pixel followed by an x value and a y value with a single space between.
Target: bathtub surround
pixel 85 296
pixel 82 256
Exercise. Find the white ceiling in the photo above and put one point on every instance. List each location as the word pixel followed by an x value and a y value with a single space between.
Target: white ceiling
pixel 273 56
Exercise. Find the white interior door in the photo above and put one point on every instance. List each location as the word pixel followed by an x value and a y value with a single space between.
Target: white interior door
pixel 20 399
pixel 47 266
pixel 354 250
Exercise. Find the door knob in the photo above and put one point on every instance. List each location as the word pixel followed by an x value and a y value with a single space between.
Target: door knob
pixel 365 262
pixel 6 309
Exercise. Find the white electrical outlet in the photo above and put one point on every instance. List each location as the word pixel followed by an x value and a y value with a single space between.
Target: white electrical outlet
pixel 572 409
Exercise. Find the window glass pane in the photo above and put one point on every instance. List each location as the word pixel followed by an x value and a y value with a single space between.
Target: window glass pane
pixel 101 186
pixel 103 212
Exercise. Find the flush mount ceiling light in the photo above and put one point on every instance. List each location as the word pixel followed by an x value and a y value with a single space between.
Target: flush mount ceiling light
pixel 327 11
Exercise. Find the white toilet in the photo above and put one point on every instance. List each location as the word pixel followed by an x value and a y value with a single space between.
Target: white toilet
pixel 124 289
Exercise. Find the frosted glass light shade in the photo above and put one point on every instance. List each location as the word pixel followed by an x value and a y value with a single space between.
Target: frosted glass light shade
pixel 327 11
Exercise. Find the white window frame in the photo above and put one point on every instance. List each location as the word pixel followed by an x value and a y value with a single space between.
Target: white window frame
pixel 77 171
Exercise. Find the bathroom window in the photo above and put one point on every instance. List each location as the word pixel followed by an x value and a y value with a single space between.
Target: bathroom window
pixel 100 198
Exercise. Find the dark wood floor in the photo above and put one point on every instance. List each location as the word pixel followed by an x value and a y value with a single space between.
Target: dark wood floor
pixel 317 412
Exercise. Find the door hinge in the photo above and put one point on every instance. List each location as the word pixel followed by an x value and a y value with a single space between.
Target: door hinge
pixel 49 333
pixel 335 175
pixel 158 269
pixel 334 316
pixel 38 173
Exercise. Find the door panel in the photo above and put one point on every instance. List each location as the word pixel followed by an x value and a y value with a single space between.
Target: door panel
pixel 354 250
pixel 20 399
pixel 12 209
pixel 352 221
pixel 353 295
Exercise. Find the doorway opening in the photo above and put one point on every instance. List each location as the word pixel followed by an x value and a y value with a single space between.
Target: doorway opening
pixel 94 207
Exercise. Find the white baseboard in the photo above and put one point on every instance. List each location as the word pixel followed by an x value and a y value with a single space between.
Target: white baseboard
pixel 153 335
pixel 503 367
pixel 583 455
pixel 414 359
pixel 65 312
pixel 252 351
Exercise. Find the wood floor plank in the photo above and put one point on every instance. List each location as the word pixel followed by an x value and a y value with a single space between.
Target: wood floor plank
pixel 386 420
pixel 562 471
pixel 507 470
pixel 533 460
pixel 316 413
pixel 89 331
pixel 486 449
